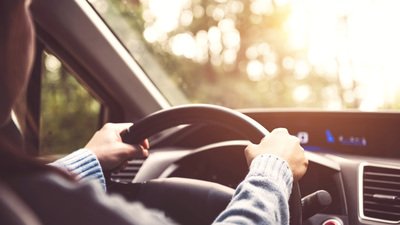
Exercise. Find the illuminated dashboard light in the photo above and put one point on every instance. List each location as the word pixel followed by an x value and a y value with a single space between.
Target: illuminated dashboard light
pixel 303 136
pixel 329 136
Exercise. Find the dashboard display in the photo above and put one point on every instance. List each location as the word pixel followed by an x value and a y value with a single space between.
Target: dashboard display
pixel 360 133
pixel 346 139
pixel 336 138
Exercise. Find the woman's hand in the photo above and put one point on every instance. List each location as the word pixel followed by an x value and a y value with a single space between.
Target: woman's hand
pixel 280 143
pixel 111 152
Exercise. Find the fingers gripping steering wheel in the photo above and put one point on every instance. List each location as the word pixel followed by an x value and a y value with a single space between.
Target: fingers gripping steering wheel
pixel 195 114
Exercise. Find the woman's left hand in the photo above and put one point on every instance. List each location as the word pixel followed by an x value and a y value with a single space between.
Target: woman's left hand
pixel 111 152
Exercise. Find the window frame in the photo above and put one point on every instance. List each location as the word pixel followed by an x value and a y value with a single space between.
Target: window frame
pixel 110 110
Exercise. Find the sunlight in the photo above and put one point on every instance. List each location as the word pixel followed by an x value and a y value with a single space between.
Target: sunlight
pixel 164 16
pixel 260 7
pixel 255 70
pixel 167 13
pixel 301 93
pixel 183 44
pixel 353 44
pixel 201 46
pixel 360 37
pixel 53 65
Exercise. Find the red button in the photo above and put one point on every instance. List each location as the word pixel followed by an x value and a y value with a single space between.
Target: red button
pixel 332 222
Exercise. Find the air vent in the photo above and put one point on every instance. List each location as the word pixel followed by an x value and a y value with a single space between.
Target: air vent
pixel 127 175
pixel 381 193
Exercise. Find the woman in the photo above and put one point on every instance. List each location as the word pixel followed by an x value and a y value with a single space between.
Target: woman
pixel 16 58
pixel 55 197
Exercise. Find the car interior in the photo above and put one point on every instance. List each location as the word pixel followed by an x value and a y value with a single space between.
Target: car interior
pixel 353 175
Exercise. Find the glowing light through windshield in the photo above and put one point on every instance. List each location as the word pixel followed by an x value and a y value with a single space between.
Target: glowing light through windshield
pixel 356 42
pixel 333 54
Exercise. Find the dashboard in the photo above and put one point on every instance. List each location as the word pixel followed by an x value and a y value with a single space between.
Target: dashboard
pixel 356 133
pixel 354 156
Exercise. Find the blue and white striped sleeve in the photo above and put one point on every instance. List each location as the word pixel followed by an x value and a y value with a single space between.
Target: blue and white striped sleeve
pixel 84 164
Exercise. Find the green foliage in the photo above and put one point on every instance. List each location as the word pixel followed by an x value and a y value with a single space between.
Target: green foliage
pixel 223 83
pixel 69 114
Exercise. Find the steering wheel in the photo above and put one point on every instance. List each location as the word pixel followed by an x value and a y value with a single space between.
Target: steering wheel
pixel 162 193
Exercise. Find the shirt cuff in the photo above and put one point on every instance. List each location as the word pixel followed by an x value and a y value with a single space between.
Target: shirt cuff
pixel 84 164
pixel 273 168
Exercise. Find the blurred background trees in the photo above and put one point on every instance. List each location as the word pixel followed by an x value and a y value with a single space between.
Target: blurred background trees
pixel 69 114
pixel 265 53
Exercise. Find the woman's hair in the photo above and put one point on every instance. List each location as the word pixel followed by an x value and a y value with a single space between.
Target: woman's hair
pixel 16 52
pixel 14 24
pixel 6 8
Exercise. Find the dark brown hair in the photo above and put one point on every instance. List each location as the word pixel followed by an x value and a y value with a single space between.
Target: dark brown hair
pixel 13 45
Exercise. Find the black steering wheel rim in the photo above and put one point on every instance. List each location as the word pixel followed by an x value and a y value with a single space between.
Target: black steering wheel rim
pixel 192 114
pixel 207 114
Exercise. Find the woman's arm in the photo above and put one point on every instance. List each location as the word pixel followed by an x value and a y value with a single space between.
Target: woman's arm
pixel 263 196
pixel 104 152
pixel 82 163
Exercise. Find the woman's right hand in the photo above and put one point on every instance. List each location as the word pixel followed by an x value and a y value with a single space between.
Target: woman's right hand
pixel 280 143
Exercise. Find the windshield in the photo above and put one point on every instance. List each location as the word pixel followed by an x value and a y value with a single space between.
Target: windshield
pixel 337 54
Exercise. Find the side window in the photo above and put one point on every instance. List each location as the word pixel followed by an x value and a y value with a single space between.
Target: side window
pixel 69 113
